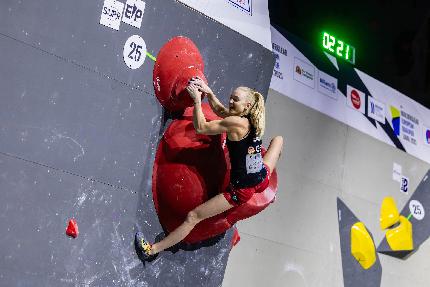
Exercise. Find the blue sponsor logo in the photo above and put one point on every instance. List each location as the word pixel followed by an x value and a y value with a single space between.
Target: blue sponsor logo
pixel 375 109
pixel 330 86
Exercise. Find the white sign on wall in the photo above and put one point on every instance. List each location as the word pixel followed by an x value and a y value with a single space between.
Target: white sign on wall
pixel 417 209
pixel 356 99
pixel 376 110
pixel 397 172
pixel 327 85
pixel 304 73
pixel 133 13
pixel 134 52
pixel 112 14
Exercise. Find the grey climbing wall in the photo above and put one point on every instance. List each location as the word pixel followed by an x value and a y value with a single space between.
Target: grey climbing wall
pixel 78 134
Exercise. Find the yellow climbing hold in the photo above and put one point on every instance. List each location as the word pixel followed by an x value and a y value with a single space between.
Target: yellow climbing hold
pixel 400 237
pixel 389 214
pixel 362 246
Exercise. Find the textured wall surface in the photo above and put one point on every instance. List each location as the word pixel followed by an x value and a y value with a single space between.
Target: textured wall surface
pixel 78 134
pixel 295 242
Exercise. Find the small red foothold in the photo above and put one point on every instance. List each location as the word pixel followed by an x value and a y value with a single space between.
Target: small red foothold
pixel 72 229
pixel 236 238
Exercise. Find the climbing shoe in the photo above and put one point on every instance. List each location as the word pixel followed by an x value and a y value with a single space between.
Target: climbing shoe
pixel 143 245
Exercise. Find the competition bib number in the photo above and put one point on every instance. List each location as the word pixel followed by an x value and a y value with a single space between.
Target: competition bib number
pixel 254 163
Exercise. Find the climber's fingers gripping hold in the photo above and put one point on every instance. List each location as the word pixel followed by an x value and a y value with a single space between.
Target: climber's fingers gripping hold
pixel 202 86
pixel 194 92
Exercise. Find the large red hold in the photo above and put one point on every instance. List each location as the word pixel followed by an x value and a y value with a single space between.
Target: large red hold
pixel 177 62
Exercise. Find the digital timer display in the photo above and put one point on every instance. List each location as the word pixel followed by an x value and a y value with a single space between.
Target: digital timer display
pixel 338 47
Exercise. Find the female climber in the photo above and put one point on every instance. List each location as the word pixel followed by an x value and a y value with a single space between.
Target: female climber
pixel 244 123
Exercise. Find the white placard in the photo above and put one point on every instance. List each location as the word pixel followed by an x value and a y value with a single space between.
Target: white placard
pixel 417 209
pixel 397 172
pixel 134 52
pixel 112 14
pixel 376 110
pixel 327 85
pixel 404 184
pixel 356 99
pixel 304 73
pixel 133 13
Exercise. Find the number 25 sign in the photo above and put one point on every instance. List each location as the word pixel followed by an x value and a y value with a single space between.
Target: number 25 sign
pixel 416 209
pixel 134 52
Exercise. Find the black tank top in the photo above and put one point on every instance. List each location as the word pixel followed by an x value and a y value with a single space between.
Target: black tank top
pixel 247 167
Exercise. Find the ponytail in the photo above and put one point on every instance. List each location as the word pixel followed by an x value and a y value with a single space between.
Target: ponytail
pixel 256 113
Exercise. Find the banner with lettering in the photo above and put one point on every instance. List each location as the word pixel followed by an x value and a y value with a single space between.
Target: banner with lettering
pixel 335 88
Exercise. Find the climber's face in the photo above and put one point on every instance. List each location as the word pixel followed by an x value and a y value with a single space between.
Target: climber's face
pixel 239 103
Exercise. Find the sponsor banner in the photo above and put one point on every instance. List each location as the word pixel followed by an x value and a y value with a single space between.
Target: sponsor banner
pixel 304 73
pixel 405 125
pixel 112 14
pixel 327 85
pixel 248 17
pixel 309 76
pixel 409 125
pixel 133 13
pixel 376 109
pixel 356 99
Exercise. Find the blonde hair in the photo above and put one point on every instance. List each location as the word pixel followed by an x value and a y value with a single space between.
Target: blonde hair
pixel 257 111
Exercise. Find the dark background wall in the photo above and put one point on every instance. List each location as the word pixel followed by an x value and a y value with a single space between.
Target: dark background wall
pixel 392 38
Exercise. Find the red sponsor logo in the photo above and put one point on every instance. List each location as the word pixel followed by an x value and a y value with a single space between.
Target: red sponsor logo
pixel 355 99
